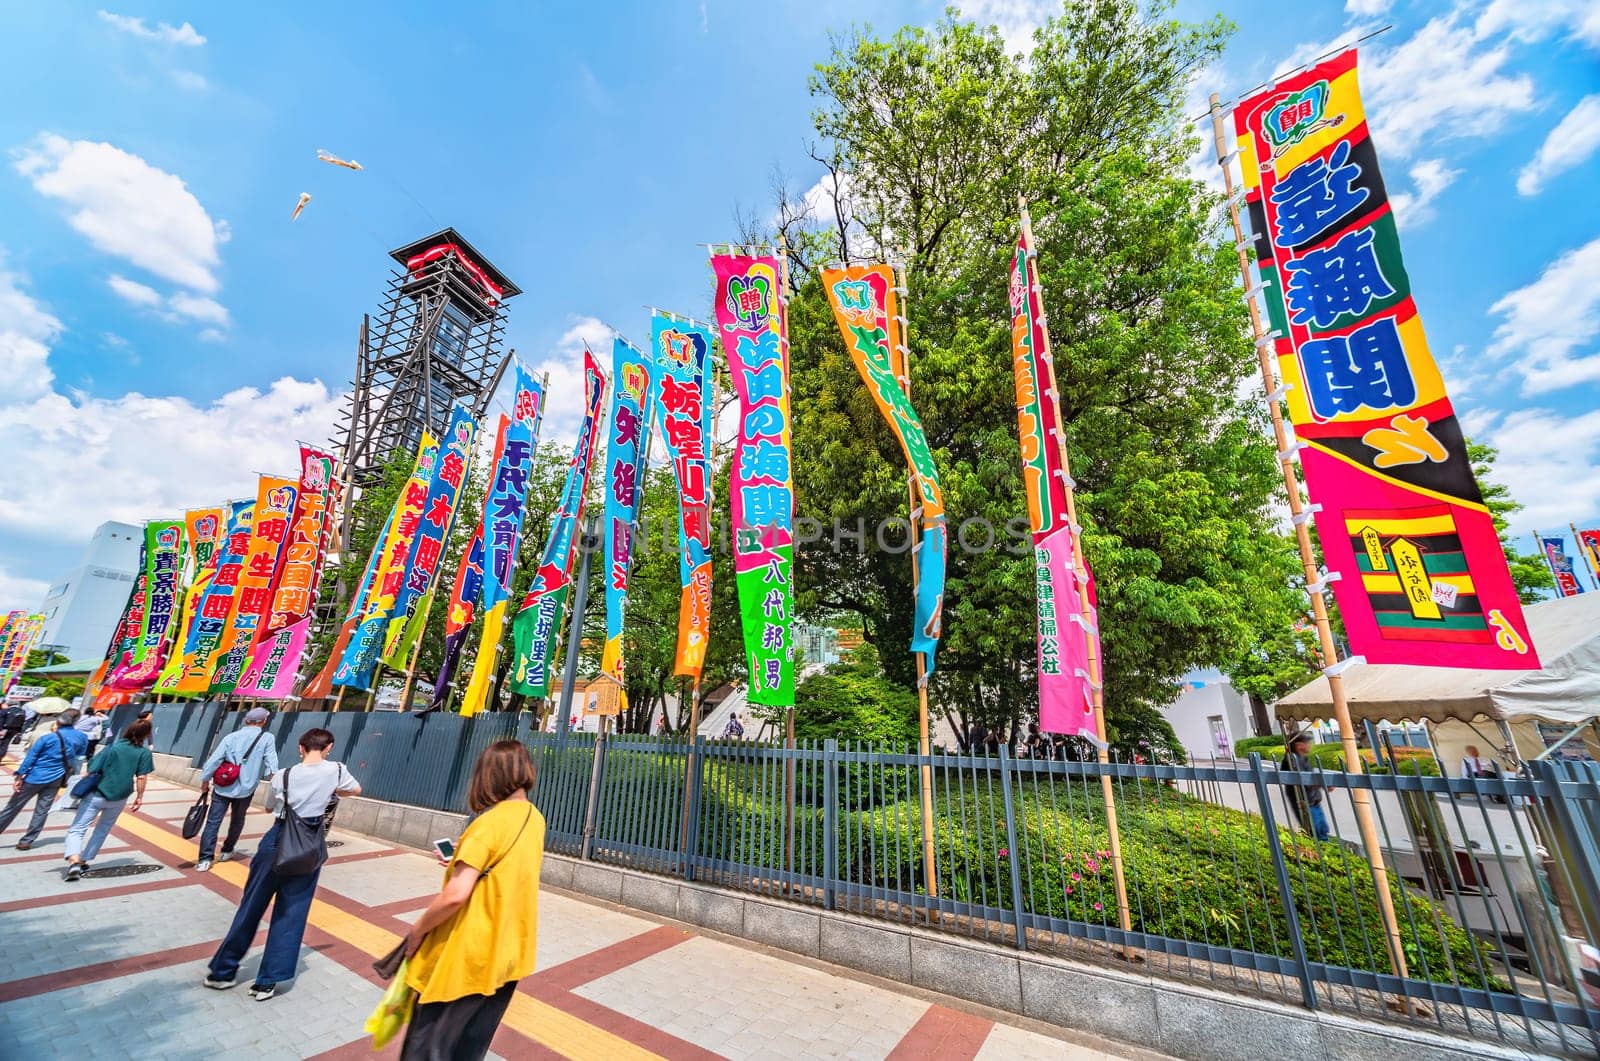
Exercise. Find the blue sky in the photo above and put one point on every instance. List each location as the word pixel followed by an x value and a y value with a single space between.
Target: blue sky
pixel 165 331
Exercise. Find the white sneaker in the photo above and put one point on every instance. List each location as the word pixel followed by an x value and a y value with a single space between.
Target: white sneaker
pixel 225 856
pixel 203 866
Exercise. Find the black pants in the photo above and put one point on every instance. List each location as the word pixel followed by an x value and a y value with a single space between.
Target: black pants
pixel 235 807
pixel 459 1030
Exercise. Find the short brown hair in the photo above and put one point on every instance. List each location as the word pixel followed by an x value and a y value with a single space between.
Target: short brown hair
pixel 137 732
pixel 316 740
pixel 503 768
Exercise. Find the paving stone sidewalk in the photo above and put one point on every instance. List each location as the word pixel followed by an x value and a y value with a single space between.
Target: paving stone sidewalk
pixel 110 967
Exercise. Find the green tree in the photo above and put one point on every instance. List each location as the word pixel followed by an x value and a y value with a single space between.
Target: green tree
pixel 854 700
pixel 1529 571
pixel 935 133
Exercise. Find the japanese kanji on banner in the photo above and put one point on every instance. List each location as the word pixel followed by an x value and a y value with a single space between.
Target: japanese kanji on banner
pixel 1555 554
pixel 464 592
pixel 752 315
pixel 503 508
pixel 214 608
pixel 682 352
pixel 1066 695
pixel 263 561
pixel 538 622
pixel 17 638
pixel 205 527
pixel 1422 575
pixel 627 447
pixel 866 307
pixel 279 645
pixel 433 534
pixel 163 555
pixel 365 643
pixel 320 687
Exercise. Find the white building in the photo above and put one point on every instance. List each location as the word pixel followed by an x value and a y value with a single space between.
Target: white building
pixel 81 610
pixel 1210 717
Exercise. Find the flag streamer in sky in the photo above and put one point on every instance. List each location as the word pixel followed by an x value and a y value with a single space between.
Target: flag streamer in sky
pixel 633 400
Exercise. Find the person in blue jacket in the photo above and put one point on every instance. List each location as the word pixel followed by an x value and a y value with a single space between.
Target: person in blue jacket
pixel 49 762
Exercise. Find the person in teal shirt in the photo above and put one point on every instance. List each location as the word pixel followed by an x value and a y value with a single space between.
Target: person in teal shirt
pixel 123 768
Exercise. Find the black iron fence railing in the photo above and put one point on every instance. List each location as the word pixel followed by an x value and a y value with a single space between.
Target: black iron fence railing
pixel 1493 882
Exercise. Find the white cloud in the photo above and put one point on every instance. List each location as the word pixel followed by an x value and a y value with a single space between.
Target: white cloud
pixel 1551 463
pixel 1569 144
pixel 190 81
pixel 1530 21
pixel 1430 178
pixel 128 208
pixel 184 35
pixel 1015 19
pixel 20 591
pixel 564 396
pixel 74 460
pixel 133 291
pixel 198 308
pixel 1547 321
pixel 1366 8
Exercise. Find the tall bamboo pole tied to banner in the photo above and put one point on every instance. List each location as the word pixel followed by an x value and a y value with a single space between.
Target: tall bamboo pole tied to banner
pixel 900 360
pixel 1333 667
pixel 788 727
pixel 1096 673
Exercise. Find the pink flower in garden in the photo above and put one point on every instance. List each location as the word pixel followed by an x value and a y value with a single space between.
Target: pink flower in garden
pixel 1076 876
pixel 1004 852
pixel 1069 889
pixel 1091 865
pixel 1097 906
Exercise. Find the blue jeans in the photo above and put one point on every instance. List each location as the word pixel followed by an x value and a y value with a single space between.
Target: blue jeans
pixel 221 805
pixel 291 902
pixel 94 804
pixel 1319 822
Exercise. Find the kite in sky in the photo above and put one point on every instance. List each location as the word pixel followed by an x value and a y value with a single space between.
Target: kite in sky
pixel 334 160
pixel 305 197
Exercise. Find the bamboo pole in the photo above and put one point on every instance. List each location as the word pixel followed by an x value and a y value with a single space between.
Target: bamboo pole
pixel 1361 798
pixel 788 737
pixel 416 652
pixel 1088 616
pixel 900 365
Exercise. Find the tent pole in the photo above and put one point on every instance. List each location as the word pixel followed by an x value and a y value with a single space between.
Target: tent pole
pixel 1361 798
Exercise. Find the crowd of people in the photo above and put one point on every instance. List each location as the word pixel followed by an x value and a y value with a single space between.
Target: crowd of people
pixel 461 961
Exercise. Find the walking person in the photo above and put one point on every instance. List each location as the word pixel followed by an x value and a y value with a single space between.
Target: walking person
pixel 235 768
pixel 12 720
pixel 476 939
pixel 1305 800
pixel 92 725
pixel 123 767
pixel 43 772
pixel 306 789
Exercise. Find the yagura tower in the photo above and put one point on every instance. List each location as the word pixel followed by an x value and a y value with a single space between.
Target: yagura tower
pixel 436 340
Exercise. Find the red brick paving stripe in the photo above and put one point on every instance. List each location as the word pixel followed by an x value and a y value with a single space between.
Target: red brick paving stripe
pixel 401 906
pixel 360 856
pixel 89 974
pixel 121 849
pixel 84 896
pixel 943 1033
pixel 619 1024
pixel 607 960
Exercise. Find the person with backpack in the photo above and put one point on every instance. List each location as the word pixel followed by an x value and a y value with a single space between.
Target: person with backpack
pixel 280 874
pixel 468 949
pixel 236 767
pixel 12 720
pixel 118 771
pixel 44 771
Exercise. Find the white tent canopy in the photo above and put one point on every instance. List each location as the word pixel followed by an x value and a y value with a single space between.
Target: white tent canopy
pixel 1566 690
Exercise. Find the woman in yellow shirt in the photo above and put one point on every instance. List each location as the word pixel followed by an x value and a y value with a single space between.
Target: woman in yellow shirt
pixel 476 939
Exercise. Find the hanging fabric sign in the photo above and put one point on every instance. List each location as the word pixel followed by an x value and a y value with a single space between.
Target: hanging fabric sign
pixel 627 453
pixel 163 555
pixel 269 533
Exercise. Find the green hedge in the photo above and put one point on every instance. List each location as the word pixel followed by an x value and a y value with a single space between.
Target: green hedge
pixel 1269 747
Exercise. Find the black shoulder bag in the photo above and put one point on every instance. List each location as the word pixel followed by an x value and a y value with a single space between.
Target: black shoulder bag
pixel 302 839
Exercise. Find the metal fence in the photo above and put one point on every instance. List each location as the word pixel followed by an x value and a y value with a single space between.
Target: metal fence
pixel 1494 882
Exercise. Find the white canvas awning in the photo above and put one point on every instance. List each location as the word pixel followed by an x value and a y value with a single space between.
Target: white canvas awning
pixel 1565 690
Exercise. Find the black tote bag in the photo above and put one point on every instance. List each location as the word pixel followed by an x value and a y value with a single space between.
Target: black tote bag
pixel 195 820
pixel 302 840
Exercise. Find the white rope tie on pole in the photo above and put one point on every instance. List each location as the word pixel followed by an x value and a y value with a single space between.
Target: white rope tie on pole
pixel 1292 452
pixel 1271 337
pixel 1279 392
pixel 1327 579
pixel 1333 670
pixel 1299 518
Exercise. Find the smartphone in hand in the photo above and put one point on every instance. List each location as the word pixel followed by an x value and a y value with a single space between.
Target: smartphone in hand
pixel 446 849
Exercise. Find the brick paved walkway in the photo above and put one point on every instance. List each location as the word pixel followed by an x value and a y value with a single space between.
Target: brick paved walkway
pixel 110 967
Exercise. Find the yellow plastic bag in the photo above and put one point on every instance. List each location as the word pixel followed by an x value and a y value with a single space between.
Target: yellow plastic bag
pixel 393 1010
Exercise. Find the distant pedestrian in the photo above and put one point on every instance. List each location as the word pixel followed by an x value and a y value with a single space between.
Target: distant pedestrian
pixel 1305 800
pixel 12 720
pixel 1474 765
pixel 477 938
pixel 311 785
pixel 123 767
pixel 42 773
pixel 92 724
pixel 237 765
pixel 734 729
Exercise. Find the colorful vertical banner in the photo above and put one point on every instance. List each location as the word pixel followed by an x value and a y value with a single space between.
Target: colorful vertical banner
pixel 1063 632
pixel 682 352
pixel 1422 574
pixel 205 528
pixel 320 687
pixel 281 642
pixel 503 509
pixel 633 400
pixel 1555 554
pixel 463 602
pixel 214 609
pixel 21 632
pixel 866 306
pixel 376 602
pixel 433 534
pixel 163 555
pixel 1589 545
pixel 263 560
pixel 538 622
pixel 752 316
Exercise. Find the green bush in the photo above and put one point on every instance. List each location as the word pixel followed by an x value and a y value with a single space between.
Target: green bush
pixel 1268 747
pixel 1413 761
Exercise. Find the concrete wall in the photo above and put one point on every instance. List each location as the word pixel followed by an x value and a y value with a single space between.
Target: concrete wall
pixel 1124 1005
